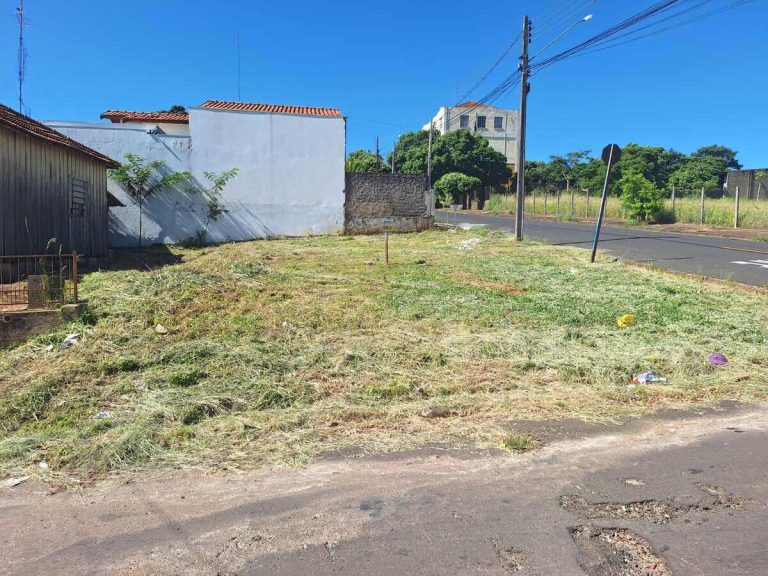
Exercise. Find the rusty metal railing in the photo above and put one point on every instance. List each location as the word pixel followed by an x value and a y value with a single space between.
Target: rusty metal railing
pixel 37 281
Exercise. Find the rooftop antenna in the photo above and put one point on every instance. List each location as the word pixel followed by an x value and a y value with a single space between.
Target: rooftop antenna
pixel 239 99
pixel 22 54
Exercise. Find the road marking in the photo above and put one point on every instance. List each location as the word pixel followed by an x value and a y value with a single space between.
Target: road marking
pixel 741 249
pixel 760 263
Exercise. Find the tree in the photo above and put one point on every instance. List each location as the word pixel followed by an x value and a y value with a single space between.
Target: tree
pixel 655 163
pixel 639 197
pixel 700 172
pixel 563 168
pixel 591 174
pixel 144 179
pixel 175 109
pixel 364 161
pixel 459 151
pixel 217 181
pixel 450 188
pixel 721 152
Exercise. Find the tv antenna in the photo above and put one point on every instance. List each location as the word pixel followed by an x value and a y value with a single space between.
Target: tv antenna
pixel 22 54
pixel 239 99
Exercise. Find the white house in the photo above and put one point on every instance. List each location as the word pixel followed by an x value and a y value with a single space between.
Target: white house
pixel 290 161
pixel 497 125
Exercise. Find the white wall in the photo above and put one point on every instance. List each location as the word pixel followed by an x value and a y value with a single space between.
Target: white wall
pixel 173 216
pixel 291 179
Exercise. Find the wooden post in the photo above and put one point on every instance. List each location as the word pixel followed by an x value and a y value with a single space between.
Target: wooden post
pixel 736 209
pixel 558 203
pixel 546 197
pixel 534 200
pixel 569 189
pixel 74 275
pixel 673 200
pixel 701 219
pixel 587 214
pixel 386 248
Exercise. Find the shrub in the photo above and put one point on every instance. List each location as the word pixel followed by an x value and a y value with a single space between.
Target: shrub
pixel 640 197
pixel 453 186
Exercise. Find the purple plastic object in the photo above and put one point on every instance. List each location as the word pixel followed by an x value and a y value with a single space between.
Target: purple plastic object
pixel 718 359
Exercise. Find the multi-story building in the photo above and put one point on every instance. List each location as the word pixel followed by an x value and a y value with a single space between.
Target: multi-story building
pixel 497 125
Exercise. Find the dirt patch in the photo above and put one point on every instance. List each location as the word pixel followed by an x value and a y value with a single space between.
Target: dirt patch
pixel 656 511
pixel 512 560
pixel 616 552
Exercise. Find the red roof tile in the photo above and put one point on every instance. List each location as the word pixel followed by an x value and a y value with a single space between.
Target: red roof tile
pixel 272 108
pixel 20 123
pixel 470 104
pixel 120 116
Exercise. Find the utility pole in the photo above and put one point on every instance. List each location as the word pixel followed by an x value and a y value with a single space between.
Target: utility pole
pixel 429 156
pixel 524 89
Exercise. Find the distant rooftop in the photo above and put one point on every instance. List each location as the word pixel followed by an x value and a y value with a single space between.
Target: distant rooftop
pixel 121 116
pixel 271 108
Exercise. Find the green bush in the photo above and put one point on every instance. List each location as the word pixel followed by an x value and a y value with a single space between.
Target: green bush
pixel 453 186
pixel 640 197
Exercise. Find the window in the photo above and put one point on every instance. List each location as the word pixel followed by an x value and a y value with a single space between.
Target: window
pixel 464 121
pixel 481 122
pixel 79 189
pixel 498 123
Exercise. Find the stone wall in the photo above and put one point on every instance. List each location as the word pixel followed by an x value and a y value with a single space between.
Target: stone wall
pixel 399 202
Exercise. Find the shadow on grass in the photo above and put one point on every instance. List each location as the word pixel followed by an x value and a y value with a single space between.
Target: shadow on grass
pixel 148 258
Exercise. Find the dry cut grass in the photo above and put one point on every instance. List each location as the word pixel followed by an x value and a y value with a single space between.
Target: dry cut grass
pixel 280 351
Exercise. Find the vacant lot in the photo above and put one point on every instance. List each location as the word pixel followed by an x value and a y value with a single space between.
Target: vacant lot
pixel 279 351
pixel 718 212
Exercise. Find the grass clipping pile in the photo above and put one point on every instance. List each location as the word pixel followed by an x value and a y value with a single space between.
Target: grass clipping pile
pixel 275 352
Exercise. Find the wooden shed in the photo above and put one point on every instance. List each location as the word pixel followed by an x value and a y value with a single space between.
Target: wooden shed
pixel 50 187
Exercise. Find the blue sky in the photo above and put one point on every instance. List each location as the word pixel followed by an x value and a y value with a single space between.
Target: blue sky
pixel 390 65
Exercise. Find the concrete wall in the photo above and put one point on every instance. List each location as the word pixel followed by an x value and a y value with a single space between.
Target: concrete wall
pixel 291 179
pixel 750 185
pixel 400 201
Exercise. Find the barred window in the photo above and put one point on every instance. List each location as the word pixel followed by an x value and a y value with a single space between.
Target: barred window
pixel 79 192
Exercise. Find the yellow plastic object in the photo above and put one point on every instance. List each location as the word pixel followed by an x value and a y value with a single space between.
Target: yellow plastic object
pixel 626 321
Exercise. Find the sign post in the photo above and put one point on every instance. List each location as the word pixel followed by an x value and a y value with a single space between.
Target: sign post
pixel 611 155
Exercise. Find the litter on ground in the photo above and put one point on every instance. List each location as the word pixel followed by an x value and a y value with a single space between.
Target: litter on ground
pixel 718 359
pixel 469 244
pixel 70 341
pixel 648 378
pixel 11 482
pixel 626 321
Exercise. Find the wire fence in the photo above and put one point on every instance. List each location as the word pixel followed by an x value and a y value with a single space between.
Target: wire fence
pixel 37 281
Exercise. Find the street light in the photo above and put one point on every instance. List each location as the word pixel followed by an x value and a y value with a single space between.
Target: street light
pixel 586 18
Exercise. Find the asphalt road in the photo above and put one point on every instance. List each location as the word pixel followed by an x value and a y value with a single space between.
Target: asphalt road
pixel 737 260
pixel 681 497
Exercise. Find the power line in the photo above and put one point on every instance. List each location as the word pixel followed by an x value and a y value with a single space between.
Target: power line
pixel 22 54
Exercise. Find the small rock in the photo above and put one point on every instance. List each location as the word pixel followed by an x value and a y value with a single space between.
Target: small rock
pixel 420 262
pixel 435 412
pixel 469 244
pixel 160 329
pixel 104 414
pixel 43 465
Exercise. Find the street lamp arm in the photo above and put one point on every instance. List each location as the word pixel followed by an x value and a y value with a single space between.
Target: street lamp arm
pixel 586 18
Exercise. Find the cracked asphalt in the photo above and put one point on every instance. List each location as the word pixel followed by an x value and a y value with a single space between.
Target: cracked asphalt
pixel 683 496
